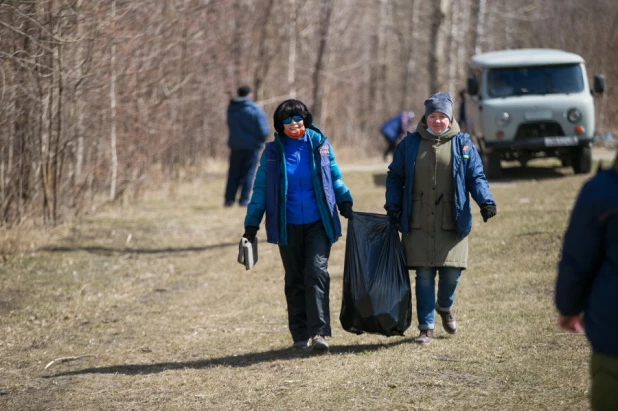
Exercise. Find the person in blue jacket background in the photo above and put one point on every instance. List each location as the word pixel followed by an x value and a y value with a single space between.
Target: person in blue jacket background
pixel 299 187
pixel 586 293
pixel 248 127
pixel 395 129
pixel 428 186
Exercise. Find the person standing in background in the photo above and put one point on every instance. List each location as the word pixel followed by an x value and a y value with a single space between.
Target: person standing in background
pixel 248 130
pixel 395 129
pixel 586 293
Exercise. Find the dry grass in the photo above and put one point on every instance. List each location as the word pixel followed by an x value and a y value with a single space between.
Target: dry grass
pixel 175 323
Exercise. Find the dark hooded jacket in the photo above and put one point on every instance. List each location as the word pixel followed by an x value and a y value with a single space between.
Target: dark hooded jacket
pixel 588 270
pixel 247 124
pixel 468 179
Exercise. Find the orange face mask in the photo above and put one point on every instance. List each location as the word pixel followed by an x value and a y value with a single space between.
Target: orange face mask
pixel 295 134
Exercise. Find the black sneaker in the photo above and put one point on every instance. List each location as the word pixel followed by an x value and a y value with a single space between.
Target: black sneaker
pixel 319 344
pixel 300 345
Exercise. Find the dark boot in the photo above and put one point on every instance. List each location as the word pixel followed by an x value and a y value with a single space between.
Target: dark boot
pixel 424 337
pixel 448 321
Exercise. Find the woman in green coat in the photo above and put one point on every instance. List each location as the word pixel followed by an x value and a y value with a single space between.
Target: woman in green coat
pixel 428 187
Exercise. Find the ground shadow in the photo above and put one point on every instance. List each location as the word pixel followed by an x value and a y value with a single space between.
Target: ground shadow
pixel 108 251
pixel 531 172
pixel 379 179
pixel 509 174
pixel 242 360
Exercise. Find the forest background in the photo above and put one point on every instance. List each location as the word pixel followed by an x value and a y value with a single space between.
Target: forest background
pixel 100 99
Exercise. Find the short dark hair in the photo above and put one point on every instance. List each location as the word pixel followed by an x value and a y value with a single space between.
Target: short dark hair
pixel 244 91
pixel 291 108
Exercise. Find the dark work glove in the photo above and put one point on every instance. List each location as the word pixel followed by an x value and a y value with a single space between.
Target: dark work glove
pixel 394 216
pixel 345 209
pixel 250 232
pixel 488 211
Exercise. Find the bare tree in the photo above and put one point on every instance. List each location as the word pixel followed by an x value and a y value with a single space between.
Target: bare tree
pixel 437 56
pixel 96 101
pixel 112 106
pixel 326 10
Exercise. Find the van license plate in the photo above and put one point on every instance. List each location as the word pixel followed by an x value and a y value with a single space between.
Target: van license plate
pixel 561 141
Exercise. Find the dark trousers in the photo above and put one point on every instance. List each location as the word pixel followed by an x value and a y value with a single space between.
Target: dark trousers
pixel 241 173
pixel 307 283
pixel 604 382
pixel 392 145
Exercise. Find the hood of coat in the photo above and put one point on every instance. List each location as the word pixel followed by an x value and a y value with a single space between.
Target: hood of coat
pixel 452 132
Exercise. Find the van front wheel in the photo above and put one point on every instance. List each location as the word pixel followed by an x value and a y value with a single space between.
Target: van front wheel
pixel 582 160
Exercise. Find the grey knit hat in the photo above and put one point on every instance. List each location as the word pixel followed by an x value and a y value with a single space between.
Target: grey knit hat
pixel 441 102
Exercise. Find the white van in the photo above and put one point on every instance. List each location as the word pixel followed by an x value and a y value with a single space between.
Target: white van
pixel 529 103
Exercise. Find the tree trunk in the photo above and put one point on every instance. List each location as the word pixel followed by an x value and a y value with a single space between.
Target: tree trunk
pixel 437 58
pixel 292 50
pixel 112 106
pixel 479 30
pixel 326 8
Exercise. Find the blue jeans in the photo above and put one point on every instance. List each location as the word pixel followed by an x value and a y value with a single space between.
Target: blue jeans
pixel 426 292
pixel 241 173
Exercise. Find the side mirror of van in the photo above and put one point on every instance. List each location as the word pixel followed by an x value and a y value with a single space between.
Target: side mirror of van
pixel 599 83
pixel 473 86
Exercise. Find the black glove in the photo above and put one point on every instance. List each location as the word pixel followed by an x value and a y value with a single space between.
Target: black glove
pixel 250 232
pixel 488 211
pixel 394 216
pixel 345 209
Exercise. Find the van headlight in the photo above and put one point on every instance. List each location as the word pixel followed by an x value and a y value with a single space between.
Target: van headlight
pixel 503 119
pixel 574 115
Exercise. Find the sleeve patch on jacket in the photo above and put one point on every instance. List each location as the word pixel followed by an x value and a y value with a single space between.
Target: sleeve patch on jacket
pixel 324 151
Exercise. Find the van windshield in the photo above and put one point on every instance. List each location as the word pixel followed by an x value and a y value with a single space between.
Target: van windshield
pixel 517 81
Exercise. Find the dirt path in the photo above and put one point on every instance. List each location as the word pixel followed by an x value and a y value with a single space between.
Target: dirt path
pixel 151 311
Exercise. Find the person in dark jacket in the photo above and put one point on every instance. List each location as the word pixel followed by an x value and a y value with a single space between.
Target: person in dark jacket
pixel 587 282
pixel 428 186
pixel 299 187
pixel 248 128
pixel 395 129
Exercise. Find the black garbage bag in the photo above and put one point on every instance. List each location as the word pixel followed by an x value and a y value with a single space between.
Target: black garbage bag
pixel 376 285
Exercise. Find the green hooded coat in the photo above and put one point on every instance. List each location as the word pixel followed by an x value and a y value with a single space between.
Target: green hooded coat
pixel 432 240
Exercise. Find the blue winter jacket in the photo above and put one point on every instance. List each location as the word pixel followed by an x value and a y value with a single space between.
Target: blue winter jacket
pixel 393 128
pixel 468 177
pixel 247 124
pixel 270 188
pixel 587 279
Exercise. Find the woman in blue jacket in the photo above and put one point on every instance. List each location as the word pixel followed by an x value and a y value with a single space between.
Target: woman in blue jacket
pixel 299 187
pixel 428 187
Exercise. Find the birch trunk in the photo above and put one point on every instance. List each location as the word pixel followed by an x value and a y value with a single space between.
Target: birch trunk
pixel 479 32
pixel 292 50
pixel 112 106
